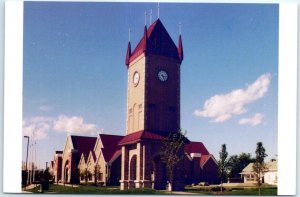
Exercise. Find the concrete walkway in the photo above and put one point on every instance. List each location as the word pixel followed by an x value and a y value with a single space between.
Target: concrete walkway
pixel 31 186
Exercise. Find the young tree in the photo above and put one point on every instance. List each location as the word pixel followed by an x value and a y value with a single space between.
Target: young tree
pixel 172 153
pixel 259 165
pixel 223 165
pixel 96 173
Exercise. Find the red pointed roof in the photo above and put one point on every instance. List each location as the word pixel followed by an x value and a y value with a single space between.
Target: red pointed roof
pixel 110 145
pixel 156 40
pixel 128 54
pixel 83 144
pixel 180 48
pixel 196 147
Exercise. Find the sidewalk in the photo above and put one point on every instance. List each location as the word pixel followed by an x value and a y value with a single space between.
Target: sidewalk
pixel 31 186
pixel 66 184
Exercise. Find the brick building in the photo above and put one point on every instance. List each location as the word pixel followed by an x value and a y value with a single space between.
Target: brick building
pixel 153 110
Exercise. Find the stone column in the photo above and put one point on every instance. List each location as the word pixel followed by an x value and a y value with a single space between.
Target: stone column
pixel 139 170
pixel 124 169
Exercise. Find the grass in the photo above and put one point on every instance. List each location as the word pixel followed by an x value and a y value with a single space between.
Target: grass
pixel 204 190
pixel 89 189
pixel 266 191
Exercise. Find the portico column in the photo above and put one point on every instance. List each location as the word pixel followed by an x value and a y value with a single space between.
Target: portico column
pixel 124 169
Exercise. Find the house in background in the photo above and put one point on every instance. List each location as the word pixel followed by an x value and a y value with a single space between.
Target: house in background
pixel 269 176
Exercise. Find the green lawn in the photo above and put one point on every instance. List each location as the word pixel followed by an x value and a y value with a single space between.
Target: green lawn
pixel 267 191
pixel 89 189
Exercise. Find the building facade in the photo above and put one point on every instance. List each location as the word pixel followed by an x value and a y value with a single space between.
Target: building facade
pixel 153 109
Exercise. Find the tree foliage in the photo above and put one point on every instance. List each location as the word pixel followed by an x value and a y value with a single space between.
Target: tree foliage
pixel 259 165
pixel 236 163
pixel 223 164
pixel 172 153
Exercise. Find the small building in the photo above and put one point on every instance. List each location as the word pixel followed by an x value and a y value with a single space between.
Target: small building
pixel 200 165
pixel 57 163
pixel 74 147
pixel 103 162
pixel 269 176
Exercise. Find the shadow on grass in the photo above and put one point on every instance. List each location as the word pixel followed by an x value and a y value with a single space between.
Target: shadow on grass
pixel 89 189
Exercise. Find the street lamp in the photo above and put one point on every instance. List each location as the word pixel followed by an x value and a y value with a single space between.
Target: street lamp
pixel 27 158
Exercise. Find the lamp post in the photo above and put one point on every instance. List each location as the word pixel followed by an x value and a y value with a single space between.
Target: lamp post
pixel 27 158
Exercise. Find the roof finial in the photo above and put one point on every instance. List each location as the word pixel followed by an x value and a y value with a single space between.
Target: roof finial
pixel 157 9
pixel 145 18
pixel 129 31
pixel 150 16
pixel 179 27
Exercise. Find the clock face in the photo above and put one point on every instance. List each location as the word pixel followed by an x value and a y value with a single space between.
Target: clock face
pixel 136 78
pixel 162 75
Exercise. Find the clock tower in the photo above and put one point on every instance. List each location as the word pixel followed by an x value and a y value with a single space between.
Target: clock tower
pixel 153 107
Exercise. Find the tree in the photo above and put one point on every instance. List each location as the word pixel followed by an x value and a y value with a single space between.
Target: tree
pixel 172 153
pixel 237 163
pixel 259 165
pixel 223 165
pixel 96 173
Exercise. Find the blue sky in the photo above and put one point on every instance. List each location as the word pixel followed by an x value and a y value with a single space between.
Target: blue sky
pixel 75 77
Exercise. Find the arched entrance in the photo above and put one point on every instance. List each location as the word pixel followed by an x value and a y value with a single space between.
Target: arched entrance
pixel 132 171
pixel 66 172
pixel 159 175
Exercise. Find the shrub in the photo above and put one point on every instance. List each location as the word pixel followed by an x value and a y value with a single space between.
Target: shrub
pixel 217 189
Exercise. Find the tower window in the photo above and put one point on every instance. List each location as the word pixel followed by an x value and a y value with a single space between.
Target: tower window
pixel 140 106
pixel 130 110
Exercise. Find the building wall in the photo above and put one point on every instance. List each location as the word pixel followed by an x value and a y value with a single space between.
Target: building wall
pixel 136 96
pixel 162 99
pixel 210 172
pixel 271 178
pixel 66 158
pixel 103 168
pixel 115 172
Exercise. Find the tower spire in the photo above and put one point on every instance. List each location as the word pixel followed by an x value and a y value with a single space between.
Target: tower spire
pixel 157 9
pixel 128 53
pixel 145 18
pixel 180 48
pixel 150 17
pixel 179 27
pixel 129 32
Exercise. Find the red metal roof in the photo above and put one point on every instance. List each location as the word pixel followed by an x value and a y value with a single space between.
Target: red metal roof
pixel 142 135
pixel 203 159
pixel 196 147
pixel 110 145
pixel 156 40
pixel 83 144
pixel 115 155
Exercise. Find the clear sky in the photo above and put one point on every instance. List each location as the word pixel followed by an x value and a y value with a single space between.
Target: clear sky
pixel 75 78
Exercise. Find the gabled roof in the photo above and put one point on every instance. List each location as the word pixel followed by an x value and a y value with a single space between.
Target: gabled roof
pixel 270 166
pixel 196 147
pixel 142 135
pixel 83 144
pixel 156 40
pixel 110 145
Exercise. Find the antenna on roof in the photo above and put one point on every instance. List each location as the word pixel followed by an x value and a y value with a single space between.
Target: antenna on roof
pixel 157 9
pixel 145 18
pixel 150 16
pixel 129 31
pixel 179 27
